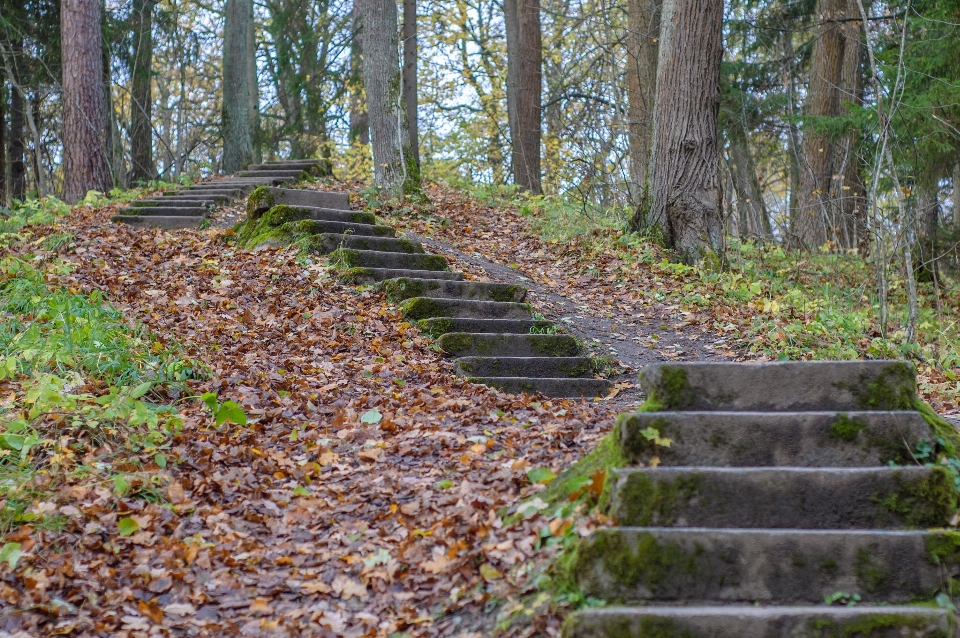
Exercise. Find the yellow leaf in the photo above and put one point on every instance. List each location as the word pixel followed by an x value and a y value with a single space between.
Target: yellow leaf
pixel 488 572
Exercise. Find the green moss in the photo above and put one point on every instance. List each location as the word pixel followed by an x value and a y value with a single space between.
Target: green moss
pixel 356 275
pixel 893 389
pixel 871 575
pixel 260 200
pixel 606 457
pixel 943 548
pixel 402 288
pixel 436 327
pixel 845 428
pixel 636 445
pixel 508 293
pixel 929 502
pixel 673 390
pixel 279 215
pixel 422 308
pixel 869 625
pixel 644 502
pixel 466 344
pixel 344 258
pixel 553 345
pixel 944 430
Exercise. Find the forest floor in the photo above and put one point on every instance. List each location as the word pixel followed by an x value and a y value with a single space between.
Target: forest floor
pixel 370 491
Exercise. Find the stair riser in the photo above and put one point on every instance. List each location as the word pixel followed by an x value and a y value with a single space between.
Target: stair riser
pixel 375 275
pixel 426 308
pixel 808 498
pixel 781 387
pixel 294 174
pixel 540 367
pixel 167 223
pixel 766 439
pixel 782 566
pixel 338 228
pixel 461 344
pixel 573 388
pixel 374 259
pixel 325 243
pixel 761 622
pixel 440 326
pixel 167 211
pixel 404 288
pixel 263 200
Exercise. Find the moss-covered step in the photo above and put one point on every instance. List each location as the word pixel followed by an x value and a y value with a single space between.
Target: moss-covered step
pixel 424 308
pixel 784 497
pixel 374 275
pixel 352 258
pixel 630 565
pixel 309 166
pixel 167 223
pixel 227 194
pixel 406 287
pixel 291 174
pixel 466 344
pixel 357 230
pixel 786 386
pixel 325 243
pixel 183 200
pixel 265 198
pixel 735 621
pixel 766 439
pixel 442 325
pixel 165 211
pixel 285 213
pixel 543 367
pixel 548 387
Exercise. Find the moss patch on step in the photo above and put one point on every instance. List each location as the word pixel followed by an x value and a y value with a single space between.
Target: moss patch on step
pixel 895 388
pixel 928 502
pixel 422 308
pixel 944 430
pixel 259 201
pixel 672 391
pixel 869 625
pixel 644 502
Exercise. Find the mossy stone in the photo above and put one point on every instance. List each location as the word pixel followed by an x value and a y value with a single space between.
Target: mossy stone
pixel 509 293
pixel 259 201
pixel 930 502
pixel 867 626
pixel 893 389
pixel 673 391
pixel 422 308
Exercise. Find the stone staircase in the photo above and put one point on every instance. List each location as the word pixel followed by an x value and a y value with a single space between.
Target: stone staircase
pixel 487 327
pixel 189 206
pixel 786 485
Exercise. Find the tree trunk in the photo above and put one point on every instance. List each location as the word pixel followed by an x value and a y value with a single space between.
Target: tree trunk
pixel 410 74
pixel 524 79
pixel 684 177
pixel 359 123
pixel 956 196
pixel 850 192
pixel 235 115
pixel 254 94
pixel 394 166
pixel 815 215
pixel 643 39
pixel 113 148
pixel 754 218
pixel 3 146
pixel 793 134
pixel 84 147
pixel 141 101
pixel 18 163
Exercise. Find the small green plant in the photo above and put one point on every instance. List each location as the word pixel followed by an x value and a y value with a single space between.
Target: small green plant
pixel 842 598
pixel 222 412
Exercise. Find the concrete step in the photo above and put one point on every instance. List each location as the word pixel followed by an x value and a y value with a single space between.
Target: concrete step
pixel 264 199
pixel 766 439
pixel 800 498
pixel 426 308
pixel 777 387
pixel 226 193
pixel 169 223
pixel 374 275
pixel 293 173
pixel 438 326
pixel 548 387
pixel 405 287
pixel 466 344
pixel 631 564
pixel 338 229
pixel 736 621
pixel 338 215
pixel 166 211
pixel 351 258
pixel 310 166
pixel 204 202
pixel 541 367
pixel 325 243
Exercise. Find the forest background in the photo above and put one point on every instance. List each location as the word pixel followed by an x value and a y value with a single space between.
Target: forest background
pixel 839 136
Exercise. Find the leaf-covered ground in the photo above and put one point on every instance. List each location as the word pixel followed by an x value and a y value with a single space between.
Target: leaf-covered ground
pixel 364 497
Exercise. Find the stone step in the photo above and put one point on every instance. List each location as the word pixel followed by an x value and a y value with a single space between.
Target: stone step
pixel 169 223
pixel 801 498
pixel 405 287
pixel 293 173
pixel 226 193
pixel 267 198
pixel 764 439
pixel 310 166
pixel 338 215
pixel 736 621
pixel 325 243
pixel 374 275
pixel 441 325
pixel 541 367
pixel 547 387
pixel 777 387
pixel 466 344
pixel 166 211
pixel 206 202
pixel 338 229
pixel 352 258
pixel 630 564
pixel 425 308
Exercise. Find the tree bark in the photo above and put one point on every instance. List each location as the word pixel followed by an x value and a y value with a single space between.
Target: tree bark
pixel 754 218
pixel 359 123
pixel 3 147
pixel 84 147
pixel 643 40
pixel 394 166
pixel 18 105
pixel 956 196
pixel 254 94
pixel 142 166
pixel 850 192
pixel 235 115
pixel 524 79
pixel 113 148
pixel 410 74
pixel 685 181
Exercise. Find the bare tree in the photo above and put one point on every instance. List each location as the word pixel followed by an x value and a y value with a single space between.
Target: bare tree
pixel 3 146
pixel 237 90
pixel 18 147
pixel 395 168
pixel 410 74
pixel 141 102
pixel 85 164
pixel 524 76
pixel 643 48
pixel 685 181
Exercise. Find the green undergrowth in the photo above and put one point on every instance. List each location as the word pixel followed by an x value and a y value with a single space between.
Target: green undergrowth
pixel 85 395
